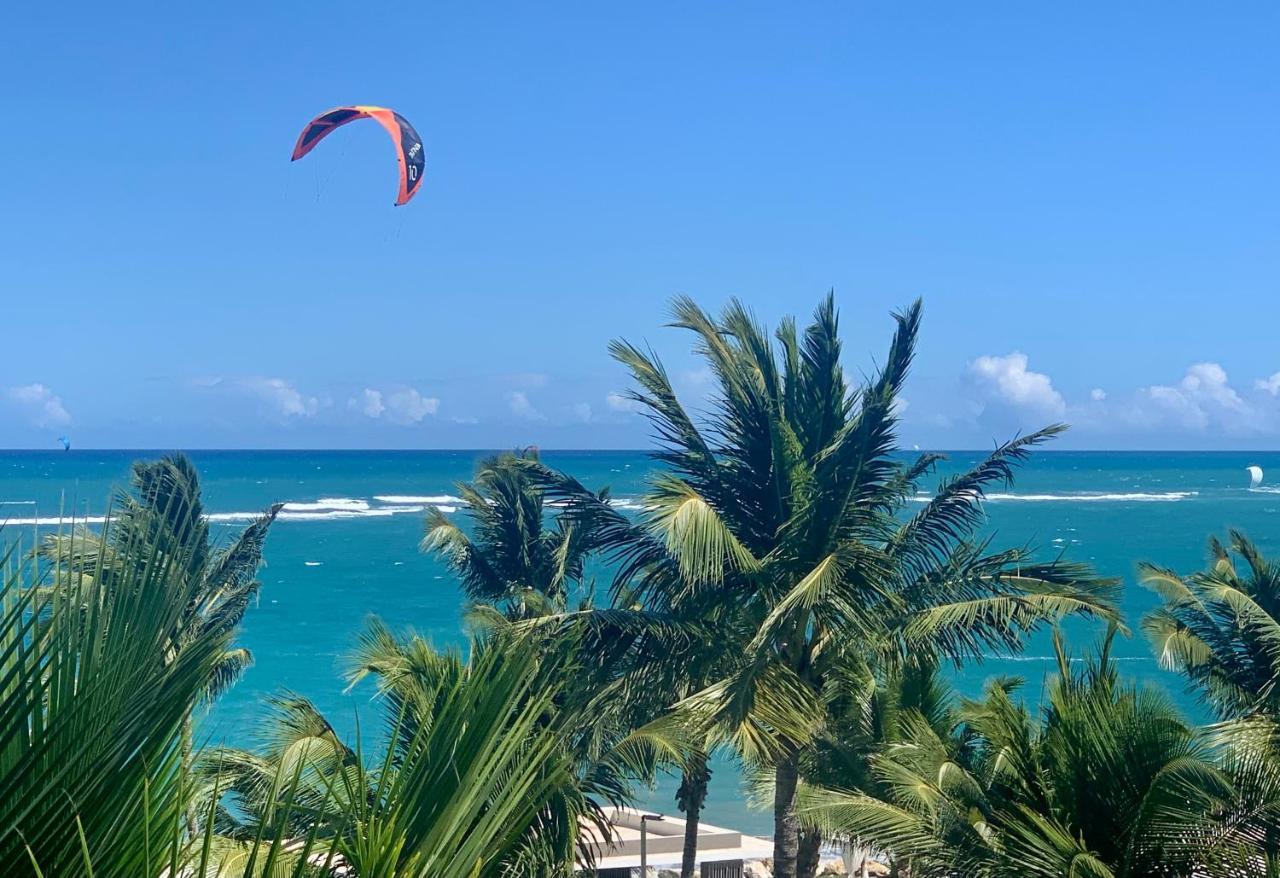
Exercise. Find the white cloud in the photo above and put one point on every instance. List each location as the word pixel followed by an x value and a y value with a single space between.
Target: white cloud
pixel 1203 397
pixel 520 406
pixel 620 402
pixel 1008 380
pixel 404 406
pixel 1097 394
pixel 42 406
pixel 408 406
pixel 281 397
pixel 1269 385
pixel 369 403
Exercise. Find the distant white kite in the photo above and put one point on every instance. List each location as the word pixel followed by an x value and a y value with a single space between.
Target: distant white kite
pixel 1255 476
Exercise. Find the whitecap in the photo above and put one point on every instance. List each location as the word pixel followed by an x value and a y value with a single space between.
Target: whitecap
pixel 52 519
pixel 312 563
pixel 429 499
pixel 326 503
pixel 1082 497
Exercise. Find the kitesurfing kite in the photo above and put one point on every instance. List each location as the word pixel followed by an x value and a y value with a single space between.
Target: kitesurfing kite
pixel 66 443
pixel 1255 476
pixel 409 152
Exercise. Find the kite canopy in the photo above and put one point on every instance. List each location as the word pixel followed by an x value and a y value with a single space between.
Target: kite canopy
pixel 409 152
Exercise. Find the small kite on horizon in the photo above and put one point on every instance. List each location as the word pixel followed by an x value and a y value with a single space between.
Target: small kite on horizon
pixel 409 150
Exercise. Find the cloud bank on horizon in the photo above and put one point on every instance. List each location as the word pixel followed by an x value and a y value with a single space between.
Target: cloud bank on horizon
pixel 1198 410
pixel 993 396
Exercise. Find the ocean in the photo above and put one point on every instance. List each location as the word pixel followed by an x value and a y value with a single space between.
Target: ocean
pixel 346 548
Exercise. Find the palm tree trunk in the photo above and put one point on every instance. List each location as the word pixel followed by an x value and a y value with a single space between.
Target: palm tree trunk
pixel 810 850
pixel 786 831
pixel 690 797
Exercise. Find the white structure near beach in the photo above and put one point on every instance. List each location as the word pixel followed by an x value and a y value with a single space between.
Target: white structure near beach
pixel 721 852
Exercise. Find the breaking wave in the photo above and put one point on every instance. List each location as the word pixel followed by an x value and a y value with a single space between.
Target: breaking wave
pixel 1083 497
pixel 429 500
pixel 324 509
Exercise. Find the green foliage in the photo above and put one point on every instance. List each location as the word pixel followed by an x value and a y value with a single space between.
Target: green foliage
pixel 786 508
pixel 108 641
pixel 481 771
pixel 516 557
pixel 1221 627
pixel 1109 780
pixel 784 593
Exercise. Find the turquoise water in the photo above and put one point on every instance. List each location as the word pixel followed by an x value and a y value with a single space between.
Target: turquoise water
pixel 346 548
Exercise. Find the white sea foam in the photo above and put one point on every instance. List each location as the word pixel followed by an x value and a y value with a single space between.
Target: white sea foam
pixel 323 509
pixel 229 517
pixel 1132 497
pixel 325 504
pixel 312 563
pixel 1275 489
pixel 51 519
pixel 1083 497
pixel 429 500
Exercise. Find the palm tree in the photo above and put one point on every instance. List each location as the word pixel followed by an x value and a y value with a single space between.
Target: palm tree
pixel 865 720
pixel 786 502
pixel 479 776
pixel 661 640
pixel 517 557
pixel 1221 627
pixel 1109 782
pixel 165 509
pixel 101 674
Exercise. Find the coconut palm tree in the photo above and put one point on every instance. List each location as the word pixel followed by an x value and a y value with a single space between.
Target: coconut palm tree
pixel 786 501
pixel 165 509
pixel 865 720
pixel 102 671
pixel 517 557
pixel 1108 781
pixel 662 641
pixel 480 775
pixel 1221 627
pixel 521 564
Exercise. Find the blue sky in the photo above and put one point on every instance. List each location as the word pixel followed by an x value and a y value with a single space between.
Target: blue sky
pixel 1086 195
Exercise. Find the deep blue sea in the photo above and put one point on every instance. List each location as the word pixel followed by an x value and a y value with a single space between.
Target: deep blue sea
pixel 346 548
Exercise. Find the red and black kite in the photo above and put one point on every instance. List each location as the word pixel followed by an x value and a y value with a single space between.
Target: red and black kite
pixel 409 151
